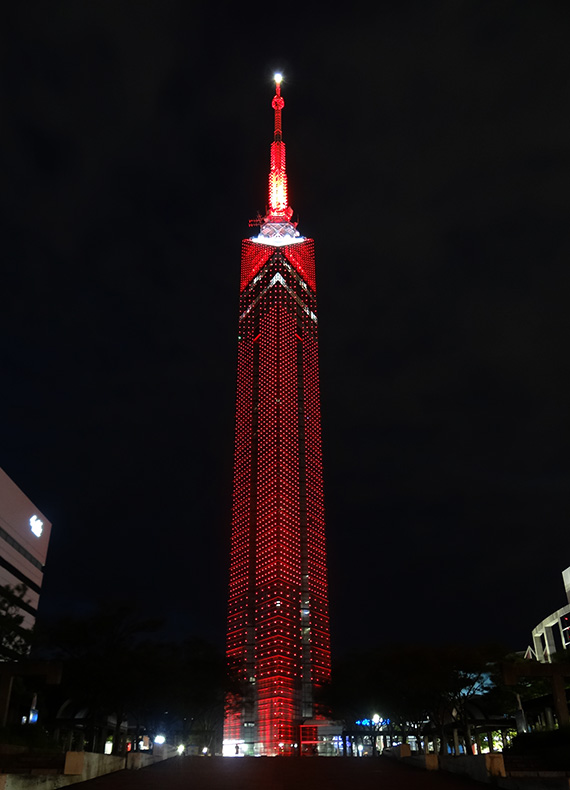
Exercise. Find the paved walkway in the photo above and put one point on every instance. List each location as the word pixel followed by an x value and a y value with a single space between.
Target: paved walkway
pixel 274 773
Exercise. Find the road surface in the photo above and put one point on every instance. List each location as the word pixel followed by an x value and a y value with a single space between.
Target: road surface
pixel 278 773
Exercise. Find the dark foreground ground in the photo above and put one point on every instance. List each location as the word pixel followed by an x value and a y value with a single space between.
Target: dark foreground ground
pixel 217 773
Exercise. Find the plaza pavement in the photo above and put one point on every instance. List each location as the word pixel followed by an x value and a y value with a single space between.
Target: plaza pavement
pixel 267 773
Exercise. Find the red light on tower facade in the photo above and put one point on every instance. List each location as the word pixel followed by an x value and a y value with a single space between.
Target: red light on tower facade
pixel 278 642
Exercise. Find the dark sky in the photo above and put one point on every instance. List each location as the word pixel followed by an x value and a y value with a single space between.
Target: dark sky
pixel 429 157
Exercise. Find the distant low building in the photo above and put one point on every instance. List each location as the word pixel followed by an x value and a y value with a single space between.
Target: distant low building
pixel 553 633
pixel 24 541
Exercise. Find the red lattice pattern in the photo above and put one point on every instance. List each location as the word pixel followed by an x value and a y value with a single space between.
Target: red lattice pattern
pixel 253 257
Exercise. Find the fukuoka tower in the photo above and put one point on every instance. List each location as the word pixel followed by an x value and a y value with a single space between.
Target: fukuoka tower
pixel 278 639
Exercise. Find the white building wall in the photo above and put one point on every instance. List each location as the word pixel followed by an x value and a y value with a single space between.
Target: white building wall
pixel 566 578
pixel 21 550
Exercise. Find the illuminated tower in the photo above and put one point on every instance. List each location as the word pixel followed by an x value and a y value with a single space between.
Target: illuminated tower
pixel 278 643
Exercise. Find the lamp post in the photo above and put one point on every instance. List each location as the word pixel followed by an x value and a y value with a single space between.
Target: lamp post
pixel 375 723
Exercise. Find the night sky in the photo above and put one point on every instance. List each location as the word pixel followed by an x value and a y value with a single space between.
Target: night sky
pixel 428 154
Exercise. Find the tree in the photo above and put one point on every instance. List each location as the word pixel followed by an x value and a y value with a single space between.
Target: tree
pixel 15 640
pixel 414 684
pixel 115 665
pixel 468 675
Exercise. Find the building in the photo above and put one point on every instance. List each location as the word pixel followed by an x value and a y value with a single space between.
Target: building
pixel 24 540
pixel 553 633
pixel 278 643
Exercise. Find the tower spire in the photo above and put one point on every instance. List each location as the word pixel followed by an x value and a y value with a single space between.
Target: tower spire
pixel 279 210
pixel 277 105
